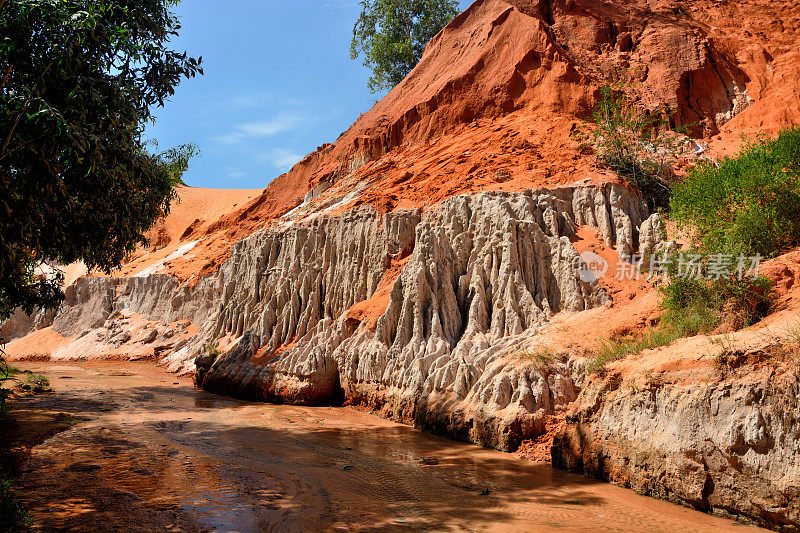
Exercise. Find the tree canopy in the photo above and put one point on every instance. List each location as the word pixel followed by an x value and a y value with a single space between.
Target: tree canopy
pixel 392 34
pixel 79 80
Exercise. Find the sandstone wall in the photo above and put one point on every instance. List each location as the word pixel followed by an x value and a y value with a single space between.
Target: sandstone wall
pixel 465 286
pixel 727 446
pixel 448 299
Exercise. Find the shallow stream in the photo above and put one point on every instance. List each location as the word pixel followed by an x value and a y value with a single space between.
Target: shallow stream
pixel 155 453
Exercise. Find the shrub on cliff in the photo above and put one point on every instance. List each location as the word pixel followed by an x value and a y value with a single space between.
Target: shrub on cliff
pixel 635 144
pixel 748 204
pixel 692 307
pixel 78 80
pixel 700 305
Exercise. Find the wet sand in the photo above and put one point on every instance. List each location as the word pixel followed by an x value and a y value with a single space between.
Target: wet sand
pixel 156 454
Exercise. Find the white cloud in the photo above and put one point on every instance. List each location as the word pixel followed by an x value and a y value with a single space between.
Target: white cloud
pixel 229 138
pixel 247 102
pixel 336 5
pixel 267 128
pixel 282 158
pixel 270 127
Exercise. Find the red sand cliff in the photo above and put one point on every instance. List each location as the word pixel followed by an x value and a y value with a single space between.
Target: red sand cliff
pixel 493 101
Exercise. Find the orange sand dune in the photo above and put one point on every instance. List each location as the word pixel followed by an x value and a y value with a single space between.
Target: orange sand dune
pixel 192 214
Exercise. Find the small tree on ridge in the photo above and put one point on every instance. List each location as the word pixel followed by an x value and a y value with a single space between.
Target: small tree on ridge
pixel 392 34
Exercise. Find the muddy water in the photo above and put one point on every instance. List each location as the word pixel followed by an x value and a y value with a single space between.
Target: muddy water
pixel 155 454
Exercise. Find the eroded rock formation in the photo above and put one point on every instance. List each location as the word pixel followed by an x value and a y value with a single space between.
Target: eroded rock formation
pixel 728 446
pixel 485 271
pixel 465 285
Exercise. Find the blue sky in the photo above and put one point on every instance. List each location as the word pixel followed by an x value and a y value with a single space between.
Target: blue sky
pixel 278 82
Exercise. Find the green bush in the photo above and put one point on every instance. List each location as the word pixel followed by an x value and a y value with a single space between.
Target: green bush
pixel 692 307
pixel 700 305
pixel 748 204
pixel 691 320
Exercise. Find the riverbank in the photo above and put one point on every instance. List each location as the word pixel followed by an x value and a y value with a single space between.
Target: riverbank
pixel 150 452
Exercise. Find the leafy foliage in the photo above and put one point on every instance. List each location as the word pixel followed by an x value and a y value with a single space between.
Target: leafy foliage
pixel 392 34
pixel 13 516
pixel 176 160
pixel 748 204
pixel 741 303
pixel 743 205
pixel 635 144
pixel 79 80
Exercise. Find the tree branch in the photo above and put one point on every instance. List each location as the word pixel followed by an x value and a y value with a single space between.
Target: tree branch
pixel 8 70
pixel 14 127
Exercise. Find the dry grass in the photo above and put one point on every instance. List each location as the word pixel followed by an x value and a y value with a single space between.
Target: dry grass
pixel 539 357
pixel 793 333
pixel 614 349
pixel 791 343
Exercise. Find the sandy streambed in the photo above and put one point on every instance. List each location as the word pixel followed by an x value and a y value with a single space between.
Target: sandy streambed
pixel 156 454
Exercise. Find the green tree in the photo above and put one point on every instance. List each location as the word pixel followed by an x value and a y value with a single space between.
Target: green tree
pixel 79 80
pixel 392 34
